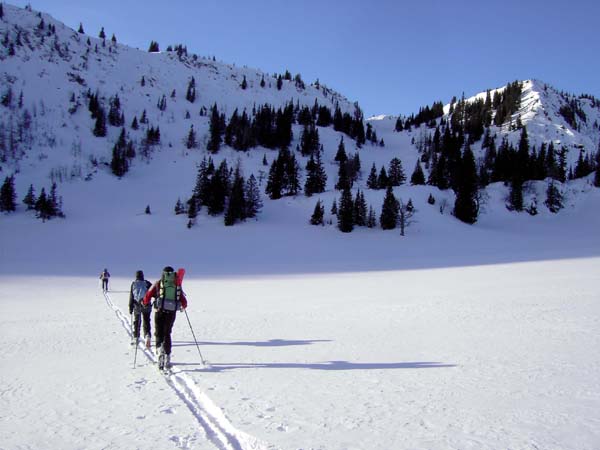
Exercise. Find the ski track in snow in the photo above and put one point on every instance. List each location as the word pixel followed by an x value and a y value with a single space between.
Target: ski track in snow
pixel 211 419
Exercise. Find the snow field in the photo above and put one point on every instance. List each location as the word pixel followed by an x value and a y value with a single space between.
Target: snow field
pixel 67 378
pixel 488 357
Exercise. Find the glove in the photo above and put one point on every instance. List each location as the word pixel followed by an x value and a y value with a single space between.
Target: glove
pixel 181 309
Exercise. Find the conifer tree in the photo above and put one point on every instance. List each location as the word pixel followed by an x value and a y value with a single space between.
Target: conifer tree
pixel 346 212
pixel 334 208
pixel 154 47
pixel 466 206
pixel 279 83
pixel 396 176
pixel 383 181
pixel 417 177
pixel 353 166
pixel 372 218
pixel 309 142
pixel 597 172
pixel 344 180
pixel 292 175
pixel 179 208
pixel 215 131
pixel 318 214
pixel 253 201
pixel 360 210
pixel 119 164
pixel 316 178
pixel 431 199
pixel 134 123
pixel 341 156
pixel 42 206
pixel 147 210
pixel 114 112
pixel 554 198
pixel 275 180
pixel 516 194
pixel 80 30
pixel 8 195
pixel 191 138
pixel 30 198
pixel 102 34
pixel 54 202
pixel 100 125
pixel 372 182
pixel 192 212
pixel 389 211
pixel 562 165
pixel 244 84
pixel 190 95
pixel 236 207
pixel 262 82
pixel 218 190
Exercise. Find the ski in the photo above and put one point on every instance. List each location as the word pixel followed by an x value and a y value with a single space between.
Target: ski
pixel 180 275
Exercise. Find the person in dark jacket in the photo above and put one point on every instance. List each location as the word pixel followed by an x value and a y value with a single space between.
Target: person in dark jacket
pixel 169 298
pixel 104 276
pixel 137 310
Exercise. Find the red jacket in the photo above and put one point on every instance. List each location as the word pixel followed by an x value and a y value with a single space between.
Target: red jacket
pixel 154 291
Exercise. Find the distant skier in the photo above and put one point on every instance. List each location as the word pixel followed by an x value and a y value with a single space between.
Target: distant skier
pixel 169 299
pixel 104 276
pixel 138 290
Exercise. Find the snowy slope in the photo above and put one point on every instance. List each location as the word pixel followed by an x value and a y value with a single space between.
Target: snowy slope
pixel 539 111
pixel 50 69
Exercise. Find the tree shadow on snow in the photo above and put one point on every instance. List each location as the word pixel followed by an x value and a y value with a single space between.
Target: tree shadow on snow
pixel 328 365
pixel 269 343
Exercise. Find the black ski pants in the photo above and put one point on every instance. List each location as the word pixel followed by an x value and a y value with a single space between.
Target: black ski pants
pixel 143 313
pixel 105 284
pixel 163 325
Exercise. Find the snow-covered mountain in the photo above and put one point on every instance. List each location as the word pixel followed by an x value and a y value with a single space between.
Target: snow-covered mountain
pixel 48 70
pixel 47 132
pixel 553 116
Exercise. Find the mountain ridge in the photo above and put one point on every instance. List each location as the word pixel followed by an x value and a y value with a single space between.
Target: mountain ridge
pixel 55 69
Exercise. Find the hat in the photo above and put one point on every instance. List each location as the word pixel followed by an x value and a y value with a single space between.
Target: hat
pixel 139 275
pixel 168 269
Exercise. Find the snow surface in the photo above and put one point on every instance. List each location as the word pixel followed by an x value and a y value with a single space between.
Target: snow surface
pixel 452 337
pixel 484 357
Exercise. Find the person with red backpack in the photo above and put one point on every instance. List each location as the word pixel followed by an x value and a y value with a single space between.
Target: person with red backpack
pixel 169 298
pixel 137 310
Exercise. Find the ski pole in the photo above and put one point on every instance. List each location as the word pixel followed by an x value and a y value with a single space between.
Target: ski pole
pixel 135 353
pixel 197 346
pixel 132 337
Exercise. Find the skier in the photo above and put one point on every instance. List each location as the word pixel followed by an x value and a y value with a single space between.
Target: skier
pixel 104 276
pixel 169 298
pixel 138 290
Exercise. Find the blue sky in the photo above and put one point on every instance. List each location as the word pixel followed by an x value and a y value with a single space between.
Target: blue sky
pixel 390 56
